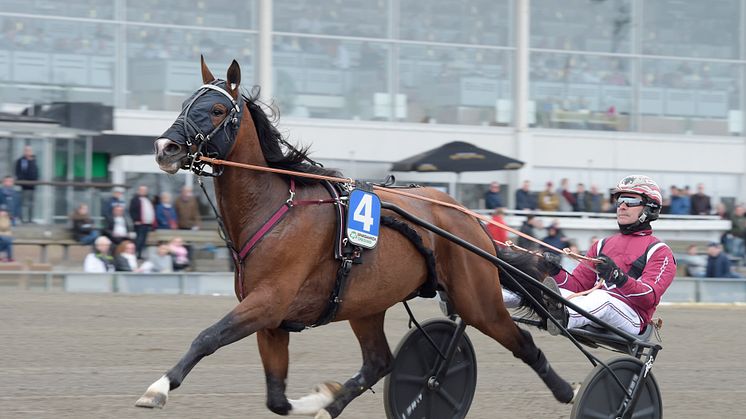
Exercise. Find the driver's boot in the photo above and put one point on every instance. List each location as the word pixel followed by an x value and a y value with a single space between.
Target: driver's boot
pixel 555 308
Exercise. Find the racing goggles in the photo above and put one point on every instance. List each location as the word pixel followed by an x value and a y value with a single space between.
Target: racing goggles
pixel 629 201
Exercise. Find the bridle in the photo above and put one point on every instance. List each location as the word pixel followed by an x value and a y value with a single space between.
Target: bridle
pixel 198 143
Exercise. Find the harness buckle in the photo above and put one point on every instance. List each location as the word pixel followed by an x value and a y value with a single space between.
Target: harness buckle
pixel 289 202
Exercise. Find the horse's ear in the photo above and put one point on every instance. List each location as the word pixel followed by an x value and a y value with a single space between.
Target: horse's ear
pixel 233 79
pixel 207 76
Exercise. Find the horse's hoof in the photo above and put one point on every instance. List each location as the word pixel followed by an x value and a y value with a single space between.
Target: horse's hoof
pixel 322 414
pixel 322 395
pixel 328 388
pixel 575 390
pixel 152 401
pixel 156 395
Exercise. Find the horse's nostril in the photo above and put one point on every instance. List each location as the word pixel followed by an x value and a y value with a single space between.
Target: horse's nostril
pixel 172 148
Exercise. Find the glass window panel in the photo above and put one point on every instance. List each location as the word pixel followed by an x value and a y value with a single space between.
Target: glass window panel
pixel 163 63
pixel 459 21
pixel 678 96
pixel 368 18
pixel 210 13
pixel 707 29
pixel 43 60
pixel 581 91
pixel 94 9
pixel 328 78
pixel 455 85
pixel 586 25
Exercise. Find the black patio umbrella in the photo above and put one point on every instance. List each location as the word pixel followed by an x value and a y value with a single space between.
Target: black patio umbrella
pixel 457 157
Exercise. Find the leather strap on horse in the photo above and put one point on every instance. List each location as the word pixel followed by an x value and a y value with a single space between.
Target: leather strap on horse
pixel 240 255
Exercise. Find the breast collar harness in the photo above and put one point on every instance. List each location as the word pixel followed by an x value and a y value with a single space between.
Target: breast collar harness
pixel 200 143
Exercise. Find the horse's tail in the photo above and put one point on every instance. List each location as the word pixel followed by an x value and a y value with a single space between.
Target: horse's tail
pixel 514 278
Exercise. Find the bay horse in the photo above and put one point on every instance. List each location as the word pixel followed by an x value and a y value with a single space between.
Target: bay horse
pixel 287 276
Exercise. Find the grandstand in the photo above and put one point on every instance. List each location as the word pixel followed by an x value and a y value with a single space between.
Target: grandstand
pixel 609 87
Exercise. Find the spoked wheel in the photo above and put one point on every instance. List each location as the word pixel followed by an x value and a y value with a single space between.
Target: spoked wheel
pixel 410 390
pixel 600 395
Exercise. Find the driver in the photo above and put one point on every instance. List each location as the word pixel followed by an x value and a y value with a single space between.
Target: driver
pixel 636 268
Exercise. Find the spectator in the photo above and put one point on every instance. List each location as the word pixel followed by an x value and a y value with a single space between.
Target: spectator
pixel 492 198
pixel 680 204
pixel 548 199
pixel 26 169
pixel 160 258
pixel 11 199
pixel 117 229
pixel 6 235
pixel 116 199
pixel 179 253
pixel 718 264
pixel 82 225
pixel 734 239
pixel 99 261
pixel 566 198
pixel 701 202
pixel 524 199
pixel 694 264
pixel 497 233
pixel 165 214
pixel 555 238
pixel 596 200
pixel 528 228
pixel 582 199
pixel 142 213
pixel 187 210
pixel 125 259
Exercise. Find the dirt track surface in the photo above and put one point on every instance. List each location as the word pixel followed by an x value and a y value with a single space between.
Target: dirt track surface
pixel 92 356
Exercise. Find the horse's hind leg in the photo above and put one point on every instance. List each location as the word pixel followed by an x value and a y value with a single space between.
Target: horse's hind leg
pixel 377 361
pixel 242 321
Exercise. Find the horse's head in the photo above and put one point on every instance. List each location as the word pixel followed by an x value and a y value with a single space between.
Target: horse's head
pixel 208 123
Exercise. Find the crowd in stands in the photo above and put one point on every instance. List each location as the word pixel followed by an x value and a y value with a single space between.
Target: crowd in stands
pixel 129 235
pixel 119 241
pixel 718 260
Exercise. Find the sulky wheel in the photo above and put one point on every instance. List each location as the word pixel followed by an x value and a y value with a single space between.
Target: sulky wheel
pixel 600 395
pixel 411 391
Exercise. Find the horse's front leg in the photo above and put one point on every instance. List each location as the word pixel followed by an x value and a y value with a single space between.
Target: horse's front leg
pixel 377 361
pixel 273 348
pixel 252 314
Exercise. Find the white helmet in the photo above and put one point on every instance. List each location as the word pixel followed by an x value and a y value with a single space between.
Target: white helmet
pixel 645 187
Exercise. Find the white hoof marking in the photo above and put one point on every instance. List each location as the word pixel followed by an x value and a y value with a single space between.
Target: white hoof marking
pixel 314 403
pixel 575 391
pixel 156 395
pixel 323 414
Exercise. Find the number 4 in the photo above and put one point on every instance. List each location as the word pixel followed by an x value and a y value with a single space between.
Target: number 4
pixel 363 212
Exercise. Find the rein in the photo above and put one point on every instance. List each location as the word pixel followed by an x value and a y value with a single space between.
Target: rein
pixel 335 179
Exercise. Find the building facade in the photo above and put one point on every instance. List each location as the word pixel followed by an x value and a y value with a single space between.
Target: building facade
pixel 583 89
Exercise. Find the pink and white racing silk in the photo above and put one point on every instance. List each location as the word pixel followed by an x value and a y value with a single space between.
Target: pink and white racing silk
pixel 642 294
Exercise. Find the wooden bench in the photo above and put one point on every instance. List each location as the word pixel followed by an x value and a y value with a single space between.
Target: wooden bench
pixel 44 244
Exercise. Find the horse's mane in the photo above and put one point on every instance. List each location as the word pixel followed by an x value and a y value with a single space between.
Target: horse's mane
pixel 271 140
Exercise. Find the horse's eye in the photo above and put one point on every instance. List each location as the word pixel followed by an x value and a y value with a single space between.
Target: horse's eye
pixel 217 112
